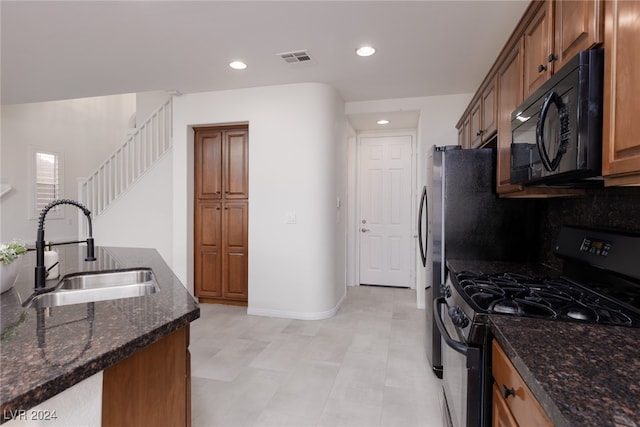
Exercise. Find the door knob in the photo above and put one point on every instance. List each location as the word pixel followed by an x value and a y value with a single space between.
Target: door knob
pixel 364 230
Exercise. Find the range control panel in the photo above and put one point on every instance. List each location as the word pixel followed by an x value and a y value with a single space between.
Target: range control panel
pixel 595 246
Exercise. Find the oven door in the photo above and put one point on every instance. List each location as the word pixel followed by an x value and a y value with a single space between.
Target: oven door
pixel 462 370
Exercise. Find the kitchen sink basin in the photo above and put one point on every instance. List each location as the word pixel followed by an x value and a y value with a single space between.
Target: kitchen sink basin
pixel 91 287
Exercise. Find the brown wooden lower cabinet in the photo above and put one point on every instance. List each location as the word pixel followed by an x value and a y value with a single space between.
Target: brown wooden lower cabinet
pixel 513 402
pixel 152 387
pixel 221 251
pixel 502 416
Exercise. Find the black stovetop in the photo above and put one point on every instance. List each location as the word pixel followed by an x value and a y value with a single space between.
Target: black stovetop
pixel 547 297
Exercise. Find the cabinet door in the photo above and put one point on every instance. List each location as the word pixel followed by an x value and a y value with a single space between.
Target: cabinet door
pixel 466 132
pixel 151 387
pixel 509 97
pixel 538 37
pixel 236 163
pixel 502 416
pixel 621 133
pixel 522 404
pixel 235 264
pixel 578 26
pixel 476 124
pixel 489 110
pixel 208 165
pixel 461 136
pixel 208 251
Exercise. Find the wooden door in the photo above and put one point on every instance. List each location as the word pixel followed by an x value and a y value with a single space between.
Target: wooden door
pixel 466 132
pixel 208 249
pixel 476 124
pixel 235 263
pixel 510 96
pixel 221 214
pixel 578 27
pixel 208 159
pixel 236 163
pixel 502 416
pixel 489 110
pixel 538 37
pixel 151 387
pixel 621 133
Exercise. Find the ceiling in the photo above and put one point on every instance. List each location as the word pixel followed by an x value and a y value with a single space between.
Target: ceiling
pixel 54 50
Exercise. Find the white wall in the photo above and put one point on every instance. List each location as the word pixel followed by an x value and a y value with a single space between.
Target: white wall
pixel 85 130
pixel 79 405
pixel 296 140
pixel 147 103
pixel 143 216
pixel 436 126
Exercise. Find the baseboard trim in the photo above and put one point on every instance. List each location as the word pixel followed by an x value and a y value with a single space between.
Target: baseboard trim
pixel 297 314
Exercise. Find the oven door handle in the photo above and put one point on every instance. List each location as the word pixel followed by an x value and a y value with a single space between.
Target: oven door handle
pixel 456 345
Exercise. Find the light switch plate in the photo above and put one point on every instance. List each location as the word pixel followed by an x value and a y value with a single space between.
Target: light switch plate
pixel 291 218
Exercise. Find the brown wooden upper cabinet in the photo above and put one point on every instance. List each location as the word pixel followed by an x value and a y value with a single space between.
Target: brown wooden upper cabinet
pixel 479 126
pixel 578 26
pixel 555 34
pixel 538 37
pixel 224 152
pixel 510 96
pixel 621 133
pixel 550 33
pixel 464 132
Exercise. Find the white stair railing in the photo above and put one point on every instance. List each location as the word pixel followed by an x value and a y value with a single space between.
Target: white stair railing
pixel 129 162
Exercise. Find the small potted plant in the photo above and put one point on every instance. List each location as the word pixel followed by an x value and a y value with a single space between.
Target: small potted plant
pixel 10 263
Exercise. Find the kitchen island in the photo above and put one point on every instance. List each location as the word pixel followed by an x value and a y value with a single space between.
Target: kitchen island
pixel 46 351
pixel 582 375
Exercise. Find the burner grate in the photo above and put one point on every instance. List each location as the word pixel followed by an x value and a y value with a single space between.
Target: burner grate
pixel 548 298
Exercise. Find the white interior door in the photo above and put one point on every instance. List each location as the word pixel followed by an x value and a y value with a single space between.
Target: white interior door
pixel 385 183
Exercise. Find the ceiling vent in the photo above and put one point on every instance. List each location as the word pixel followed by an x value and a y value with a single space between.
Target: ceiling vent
pixel 299 56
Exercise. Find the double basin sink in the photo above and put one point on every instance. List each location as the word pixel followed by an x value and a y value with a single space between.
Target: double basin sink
pixel 80 288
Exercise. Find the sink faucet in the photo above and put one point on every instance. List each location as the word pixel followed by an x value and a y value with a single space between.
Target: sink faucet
pixel 41 272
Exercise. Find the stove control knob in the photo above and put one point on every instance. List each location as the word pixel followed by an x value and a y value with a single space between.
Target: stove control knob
pixel 445 290
pixel 458 317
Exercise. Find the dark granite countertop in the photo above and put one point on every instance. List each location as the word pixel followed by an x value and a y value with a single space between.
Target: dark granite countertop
pixel 44 353
pixel 582 375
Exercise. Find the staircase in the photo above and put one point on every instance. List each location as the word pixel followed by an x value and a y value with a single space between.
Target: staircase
pixel 129 162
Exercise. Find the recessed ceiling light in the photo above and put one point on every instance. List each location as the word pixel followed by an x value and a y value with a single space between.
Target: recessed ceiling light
pixel 365 51
pixel 383 122
pixel 238 65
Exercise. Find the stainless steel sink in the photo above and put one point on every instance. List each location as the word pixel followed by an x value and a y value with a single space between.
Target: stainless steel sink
pixel 90 287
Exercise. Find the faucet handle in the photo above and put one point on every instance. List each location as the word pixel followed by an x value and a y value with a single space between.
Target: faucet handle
pixel 91 256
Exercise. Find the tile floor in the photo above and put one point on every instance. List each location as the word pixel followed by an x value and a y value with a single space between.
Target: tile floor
pixel 366 366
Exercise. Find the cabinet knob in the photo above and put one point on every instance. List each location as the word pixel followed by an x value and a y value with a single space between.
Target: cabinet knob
pixel 541 68
pixel 480 132
pixel 552 57
pixel 218 208
pixel 506 392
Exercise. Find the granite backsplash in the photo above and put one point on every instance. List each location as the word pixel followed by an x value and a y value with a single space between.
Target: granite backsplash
pixel 615 208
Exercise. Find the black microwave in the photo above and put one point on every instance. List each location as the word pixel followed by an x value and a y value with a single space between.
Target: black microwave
pixel 557 132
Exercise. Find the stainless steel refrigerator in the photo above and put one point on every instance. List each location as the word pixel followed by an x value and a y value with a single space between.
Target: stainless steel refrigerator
pixel 469 221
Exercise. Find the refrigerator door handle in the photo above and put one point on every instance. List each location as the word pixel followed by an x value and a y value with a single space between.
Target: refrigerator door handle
pixel 422 242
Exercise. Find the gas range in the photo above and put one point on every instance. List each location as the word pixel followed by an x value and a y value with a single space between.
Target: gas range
pixel 599 284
